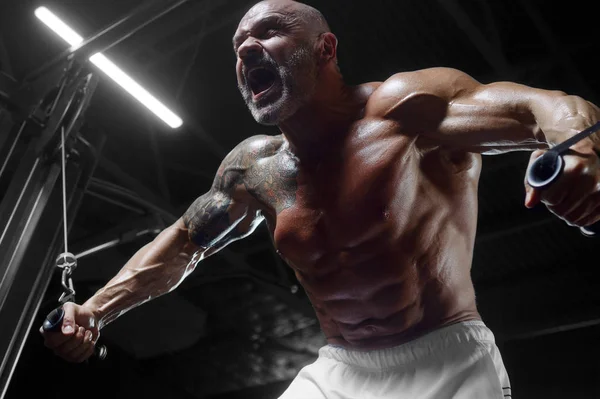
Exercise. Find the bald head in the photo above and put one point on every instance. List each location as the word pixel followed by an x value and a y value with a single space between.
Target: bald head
pixel 309 17
pixel 283 49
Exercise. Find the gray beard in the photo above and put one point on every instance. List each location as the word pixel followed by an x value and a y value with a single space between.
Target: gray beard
pixel 298 81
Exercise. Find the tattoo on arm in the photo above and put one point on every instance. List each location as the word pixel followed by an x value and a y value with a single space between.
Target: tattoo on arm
pixel 213 217
pixel 275 182
pixel 256 168
pixel 208 219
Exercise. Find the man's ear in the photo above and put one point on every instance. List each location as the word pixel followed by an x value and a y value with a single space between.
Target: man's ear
pixel 328 51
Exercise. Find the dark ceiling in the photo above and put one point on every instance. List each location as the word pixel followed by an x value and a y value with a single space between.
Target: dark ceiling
pixel 240 323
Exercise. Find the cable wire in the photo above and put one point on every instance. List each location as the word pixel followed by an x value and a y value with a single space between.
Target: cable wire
pixel 64 187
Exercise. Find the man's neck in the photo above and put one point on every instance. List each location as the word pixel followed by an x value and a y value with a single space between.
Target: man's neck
pixel 319 126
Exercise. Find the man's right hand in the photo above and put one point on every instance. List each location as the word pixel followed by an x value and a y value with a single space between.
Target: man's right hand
pixel 75 340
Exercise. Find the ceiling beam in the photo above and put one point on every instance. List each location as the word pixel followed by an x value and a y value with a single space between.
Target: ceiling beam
pixel 125 179
pixel 124 232
pixel 168 212
pixel 217 22
pixel 191 40
pixel 142 44
pixel 115 202
pixel 487 49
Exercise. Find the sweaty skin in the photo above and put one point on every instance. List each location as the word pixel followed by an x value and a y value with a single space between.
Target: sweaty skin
pixel 380 232
pixel 370 192
pixel 379 235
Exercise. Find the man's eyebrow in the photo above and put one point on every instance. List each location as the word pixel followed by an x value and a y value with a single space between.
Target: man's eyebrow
pixel 276 17
pixel 273 18
pixel 236 39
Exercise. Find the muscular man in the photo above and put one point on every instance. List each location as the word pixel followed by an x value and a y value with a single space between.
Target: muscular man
pixel 370 194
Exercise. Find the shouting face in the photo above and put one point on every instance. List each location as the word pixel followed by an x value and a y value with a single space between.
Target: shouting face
pixel 277 66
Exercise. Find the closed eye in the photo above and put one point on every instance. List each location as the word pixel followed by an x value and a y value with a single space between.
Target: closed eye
pixel 267 28
pixel 269 32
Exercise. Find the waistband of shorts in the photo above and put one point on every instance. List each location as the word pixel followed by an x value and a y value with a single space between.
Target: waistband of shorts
pixel 434 342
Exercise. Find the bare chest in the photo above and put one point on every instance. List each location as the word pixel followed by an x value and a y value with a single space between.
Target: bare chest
pixel 351 199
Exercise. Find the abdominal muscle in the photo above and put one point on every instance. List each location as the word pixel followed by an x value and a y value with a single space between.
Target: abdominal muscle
pixel 395 295
pixel 382 241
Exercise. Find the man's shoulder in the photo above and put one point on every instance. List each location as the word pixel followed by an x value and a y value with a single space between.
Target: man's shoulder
pixel 439 82
pixel 254 148
pixel 433 78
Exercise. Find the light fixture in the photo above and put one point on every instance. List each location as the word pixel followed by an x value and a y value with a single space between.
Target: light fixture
pixel 110 69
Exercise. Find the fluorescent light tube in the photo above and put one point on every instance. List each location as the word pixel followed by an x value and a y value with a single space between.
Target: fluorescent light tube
pixel 110 69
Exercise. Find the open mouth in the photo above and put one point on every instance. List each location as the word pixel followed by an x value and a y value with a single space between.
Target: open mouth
pixel 260 80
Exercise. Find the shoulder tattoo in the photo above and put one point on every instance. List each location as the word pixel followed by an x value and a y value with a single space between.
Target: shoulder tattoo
pixel 257 166
pixel 274 181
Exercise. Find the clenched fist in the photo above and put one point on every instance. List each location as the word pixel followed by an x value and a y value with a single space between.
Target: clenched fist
pixel 76 339
pixel 575 196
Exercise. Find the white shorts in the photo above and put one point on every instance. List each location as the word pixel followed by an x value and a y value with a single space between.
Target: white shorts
pixel 460 361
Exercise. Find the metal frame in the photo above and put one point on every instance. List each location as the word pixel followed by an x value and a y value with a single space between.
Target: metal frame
pixel 50 99
pixel 30 241
pixel 114 34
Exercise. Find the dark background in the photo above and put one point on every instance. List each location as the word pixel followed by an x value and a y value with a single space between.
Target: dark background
pixel 239 327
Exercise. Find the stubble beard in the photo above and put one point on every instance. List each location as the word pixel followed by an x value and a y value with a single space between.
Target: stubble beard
pixel 297 80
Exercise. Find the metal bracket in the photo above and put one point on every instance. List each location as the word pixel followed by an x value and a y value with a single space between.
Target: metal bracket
pixel 67 110
pixel 68 263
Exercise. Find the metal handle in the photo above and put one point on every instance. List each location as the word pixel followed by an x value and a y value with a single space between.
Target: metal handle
pixel 544 171
pixel 53 323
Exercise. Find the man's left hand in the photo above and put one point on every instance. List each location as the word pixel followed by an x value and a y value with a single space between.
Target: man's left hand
pixel 575 195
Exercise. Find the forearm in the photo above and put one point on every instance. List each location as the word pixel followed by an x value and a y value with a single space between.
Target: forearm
pixel 566 116
pixel 154 270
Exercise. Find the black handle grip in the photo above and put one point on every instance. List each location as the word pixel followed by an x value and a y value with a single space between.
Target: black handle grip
pixel 53 323
pixel 54 320
pixel 544 171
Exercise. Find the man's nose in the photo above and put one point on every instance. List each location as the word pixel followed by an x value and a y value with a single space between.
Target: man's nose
pixel 249 49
